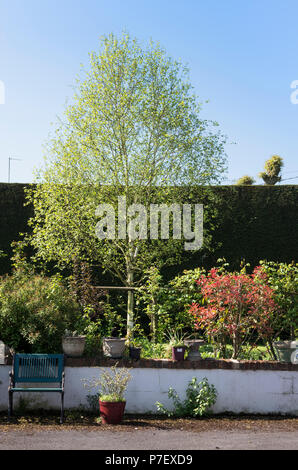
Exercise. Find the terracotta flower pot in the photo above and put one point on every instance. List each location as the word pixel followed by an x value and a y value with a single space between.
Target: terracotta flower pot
pixel 111 412
pixel 178 353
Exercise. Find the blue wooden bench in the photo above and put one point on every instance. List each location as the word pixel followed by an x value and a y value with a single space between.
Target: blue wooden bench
pixel 36 369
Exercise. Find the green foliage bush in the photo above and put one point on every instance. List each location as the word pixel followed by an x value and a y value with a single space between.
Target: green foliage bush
pixel 35 310
pixel 111 384
pixel 99 318
pixel 181 293
pixel 152 350
pixel 167 304
pixel 199 398
pixel 283 278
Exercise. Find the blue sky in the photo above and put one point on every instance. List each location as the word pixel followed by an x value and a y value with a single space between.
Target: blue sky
pixel 242 57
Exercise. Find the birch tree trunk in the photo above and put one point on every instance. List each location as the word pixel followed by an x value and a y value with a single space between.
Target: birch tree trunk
pixel 130 303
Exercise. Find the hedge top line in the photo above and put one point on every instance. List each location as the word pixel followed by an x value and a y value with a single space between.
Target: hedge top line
pixel 210 186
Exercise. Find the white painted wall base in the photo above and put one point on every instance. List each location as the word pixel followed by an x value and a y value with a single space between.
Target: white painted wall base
pixel 239 391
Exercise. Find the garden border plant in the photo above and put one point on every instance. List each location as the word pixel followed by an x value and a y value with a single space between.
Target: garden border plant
pixel 199 399
pixel 235 307
pixel 111 387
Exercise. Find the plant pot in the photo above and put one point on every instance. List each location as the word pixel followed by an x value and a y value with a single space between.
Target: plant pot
pixel 178 353
pixel 294 356
pixel 73 345
pixel 285 349
pixel 134 353
pixel 193 349
pixel 111 412
pixel 113 347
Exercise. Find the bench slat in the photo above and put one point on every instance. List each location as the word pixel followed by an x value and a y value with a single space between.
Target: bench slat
pixel 43 389
pixel 38 367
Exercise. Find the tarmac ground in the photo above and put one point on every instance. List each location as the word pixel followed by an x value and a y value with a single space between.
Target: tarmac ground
pixel 42 431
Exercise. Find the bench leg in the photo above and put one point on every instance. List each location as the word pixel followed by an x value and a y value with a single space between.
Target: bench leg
pixel 10 404
pixel 62 408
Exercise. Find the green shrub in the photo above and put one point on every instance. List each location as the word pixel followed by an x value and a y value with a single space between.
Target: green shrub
pixel 110 384
pixel 283 279
pixel 35 310
pixel 167 305
pixel 199 398
pixel 152 350
pixel 100 318
pixel 181 293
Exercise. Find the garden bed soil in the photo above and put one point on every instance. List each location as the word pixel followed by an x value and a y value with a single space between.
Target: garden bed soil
pixel 79 420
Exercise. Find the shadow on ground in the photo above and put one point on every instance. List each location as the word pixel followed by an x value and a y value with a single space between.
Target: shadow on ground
pixel 81 419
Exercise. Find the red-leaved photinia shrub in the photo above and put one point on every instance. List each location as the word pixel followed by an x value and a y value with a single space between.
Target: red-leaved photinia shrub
pixel 237 305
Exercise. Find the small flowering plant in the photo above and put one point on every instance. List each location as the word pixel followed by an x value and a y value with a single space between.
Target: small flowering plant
pixel 235 306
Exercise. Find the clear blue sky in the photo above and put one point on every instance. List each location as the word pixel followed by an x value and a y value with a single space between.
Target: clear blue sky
pixel 242 57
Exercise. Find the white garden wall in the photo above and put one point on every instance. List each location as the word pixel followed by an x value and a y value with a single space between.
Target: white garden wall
pixel 239 391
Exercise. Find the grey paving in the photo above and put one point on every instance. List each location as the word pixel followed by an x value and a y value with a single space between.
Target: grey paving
pixel 147 440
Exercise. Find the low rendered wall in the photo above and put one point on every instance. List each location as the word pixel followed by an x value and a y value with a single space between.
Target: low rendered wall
pixel 243 387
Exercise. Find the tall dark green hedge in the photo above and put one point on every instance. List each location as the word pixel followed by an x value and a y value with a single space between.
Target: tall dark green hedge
pixel 249 222
pixel 13 219
pixel 254 223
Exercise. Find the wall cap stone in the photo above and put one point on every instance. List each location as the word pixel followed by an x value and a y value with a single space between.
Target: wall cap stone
pixel 209 363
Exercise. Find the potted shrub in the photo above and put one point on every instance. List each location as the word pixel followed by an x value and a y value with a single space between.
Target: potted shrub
pixel 178 352
pixel 176 342
pixel 111 385
pixel 134 350
pixel 73 344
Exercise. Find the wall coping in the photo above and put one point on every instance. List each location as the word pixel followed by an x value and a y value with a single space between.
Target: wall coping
pixel 226 364
pixel 209 363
